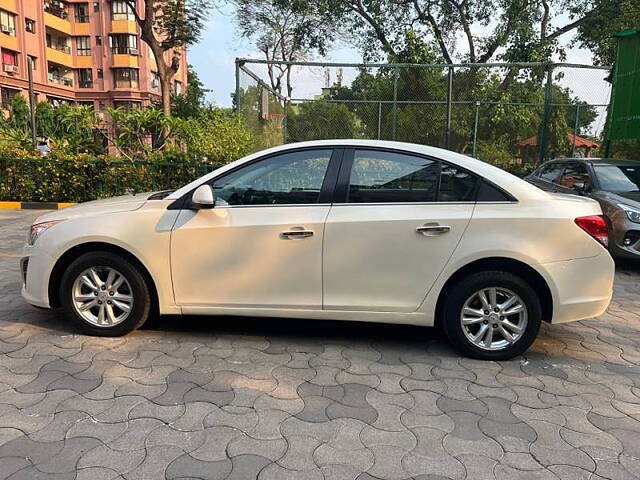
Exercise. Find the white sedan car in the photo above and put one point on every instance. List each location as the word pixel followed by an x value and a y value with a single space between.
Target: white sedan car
pixel 339 229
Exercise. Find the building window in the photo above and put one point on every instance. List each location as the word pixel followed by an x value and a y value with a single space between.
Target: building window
pixel 99 73
pixel 120 10
pixel 9 61
pixel 98 40
pixel 124 44
pixel 7 23
pixel 82 12
pixel 127 105
pixel 83 46
pixel 30 25
pixel 155 81
pixel 59 43
pixel 96 7
pixel 177 87
pixel 8 94
pixel 85 78
pixel 125 77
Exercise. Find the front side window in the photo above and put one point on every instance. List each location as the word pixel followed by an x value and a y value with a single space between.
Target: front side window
pixel 120 10
pixel 83 46
pixel 125 77
pixel 575 173
pixel 7 23
pixel 618 178
pixel 293 178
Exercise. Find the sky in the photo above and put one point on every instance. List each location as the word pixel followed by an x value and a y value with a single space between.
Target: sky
pixel 213 58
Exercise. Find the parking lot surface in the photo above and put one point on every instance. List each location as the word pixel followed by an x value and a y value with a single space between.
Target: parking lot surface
pixel 229 398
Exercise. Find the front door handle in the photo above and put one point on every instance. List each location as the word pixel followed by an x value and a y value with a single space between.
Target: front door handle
pixel 296 234
pixel 433 229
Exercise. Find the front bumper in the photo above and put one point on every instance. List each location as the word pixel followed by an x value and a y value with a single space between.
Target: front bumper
pixel 36 268
pixel 582 288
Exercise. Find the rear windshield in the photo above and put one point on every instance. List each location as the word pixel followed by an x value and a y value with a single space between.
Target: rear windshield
pixel 618 178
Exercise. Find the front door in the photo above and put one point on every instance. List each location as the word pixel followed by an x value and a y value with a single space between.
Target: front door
pixel 261 245
pixel 401 219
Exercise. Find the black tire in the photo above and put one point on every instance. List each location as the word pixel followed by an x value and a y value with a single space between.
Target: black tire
pixel 465 288
pixel 139 289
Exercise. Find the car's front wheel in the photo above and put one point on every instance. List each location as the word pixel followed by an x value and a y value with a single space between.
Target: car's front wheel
pixel 105 295
pixel 492 315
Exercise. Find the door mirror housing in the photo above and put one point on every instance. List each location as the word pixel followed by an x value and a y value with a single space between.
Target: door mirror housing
pixel 580 187
pixel 203 197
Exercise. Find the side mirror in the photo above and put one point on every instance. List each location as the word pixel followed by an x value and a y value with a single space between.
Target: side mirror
pixel 580 187
pixel 203 197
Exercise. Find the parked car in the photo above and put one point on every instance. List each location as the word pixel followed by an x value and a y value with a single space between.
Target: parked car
pixel 342 229
pixel 615 184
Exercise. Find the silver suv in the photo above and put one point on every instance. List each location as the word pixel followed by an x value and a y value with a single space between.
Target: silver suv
pixel 613 183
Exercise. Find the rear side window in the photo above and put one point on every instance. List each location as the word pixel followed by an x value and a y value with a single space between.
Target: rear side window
pixel 489 193
pixel 383 177
pixel 391 177
pixel 551 173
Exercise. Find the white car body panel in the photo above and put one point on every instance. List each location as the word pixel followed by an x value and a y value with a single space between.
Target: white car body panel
pixel 366 263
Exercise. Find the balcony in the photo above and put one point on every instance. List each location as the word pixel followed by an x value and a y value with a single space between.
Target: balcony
pixel 60 79
pixel 56 16
pixel 124 61
pixel 62 56
pixel 57 8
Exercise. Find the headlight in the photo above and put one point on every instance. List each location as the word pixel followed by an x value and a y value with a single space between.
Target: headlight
pixel 38 229
pixel 633 213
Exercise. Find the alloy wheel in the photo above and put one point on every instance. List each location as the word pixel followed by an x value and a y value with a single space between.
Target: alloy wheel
pixel 494 318
pixel 102 296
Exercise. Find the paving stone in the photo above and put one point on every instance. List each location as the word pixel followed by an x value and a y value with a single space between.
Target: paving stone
pixel 334 401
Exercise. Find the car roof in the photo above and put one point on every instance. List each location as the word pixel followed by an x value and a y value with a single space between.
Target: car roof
pixel 599 161
pixel 514 185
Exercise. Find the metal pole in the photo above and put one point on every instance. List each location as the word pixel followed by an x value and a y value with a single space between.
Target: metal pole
pixel 286 116
pixel 237 96
pixel 395 104
pixel 575 131
pixel 32 102
pixel 475 130
pixel 542 144
pixel 379 118
pixel 449 99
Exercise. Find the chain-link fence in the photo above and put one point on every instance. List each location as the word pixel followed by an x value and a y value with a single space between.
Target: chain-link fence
pixel 516 114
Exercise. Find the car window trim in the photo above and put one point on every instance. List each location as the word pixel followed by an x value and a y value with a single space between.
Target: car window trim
pixel 326 190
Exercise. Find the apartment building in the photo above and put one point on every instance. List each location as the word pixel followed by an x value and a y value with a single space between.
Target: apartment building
pixel 84 52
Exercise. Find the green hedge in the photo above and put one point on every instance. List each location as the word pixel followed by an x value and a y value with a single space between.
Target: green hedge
pixel 81 178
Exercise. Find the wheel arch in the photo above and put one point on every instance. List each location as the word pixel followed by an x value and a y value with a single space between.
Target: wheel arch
pixel 74 252
pixel 505 264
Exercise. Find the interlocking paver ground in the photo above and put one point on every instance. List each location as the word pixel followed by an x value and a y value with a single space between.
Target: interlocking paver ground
pixel 235 399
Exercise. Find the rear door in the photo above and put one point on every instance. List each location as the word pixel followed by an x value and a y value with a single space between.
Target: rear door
pixel 396 220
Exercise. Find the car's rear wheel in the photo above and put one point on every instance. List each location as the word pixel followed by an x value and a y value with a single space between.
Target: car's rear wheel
pixel 105 295
pixel 492 315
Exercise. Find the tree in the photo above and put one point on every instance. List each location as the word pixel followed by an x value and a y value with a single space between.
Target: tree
pixel 19 115
pixel 512 30
pixel 190 103
pixel 321 120
pixel 168 26
pixel 283 31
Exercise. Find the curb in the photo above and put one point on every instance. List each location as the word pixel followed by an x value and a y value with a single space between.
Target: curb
pixel 34 205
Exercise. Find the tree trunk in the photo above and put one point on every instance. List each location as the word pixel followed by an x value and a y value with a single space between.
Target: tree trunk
pixel 165 89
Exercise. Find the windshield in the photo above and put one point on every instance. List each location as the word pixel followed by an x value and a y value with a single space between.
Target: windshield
pixel 618 178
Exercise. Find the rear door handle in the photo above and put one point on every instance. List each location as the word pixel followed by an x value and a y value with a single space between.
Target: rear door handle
pixel 296 234
pixel 432 230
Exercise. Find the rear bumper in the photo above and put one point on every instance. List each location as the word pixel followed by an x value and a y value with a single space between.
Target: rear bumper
pixel 581 288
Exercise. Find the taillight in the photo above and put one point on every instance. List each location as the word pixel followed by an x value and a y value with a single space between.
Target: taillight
pixel 596 226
